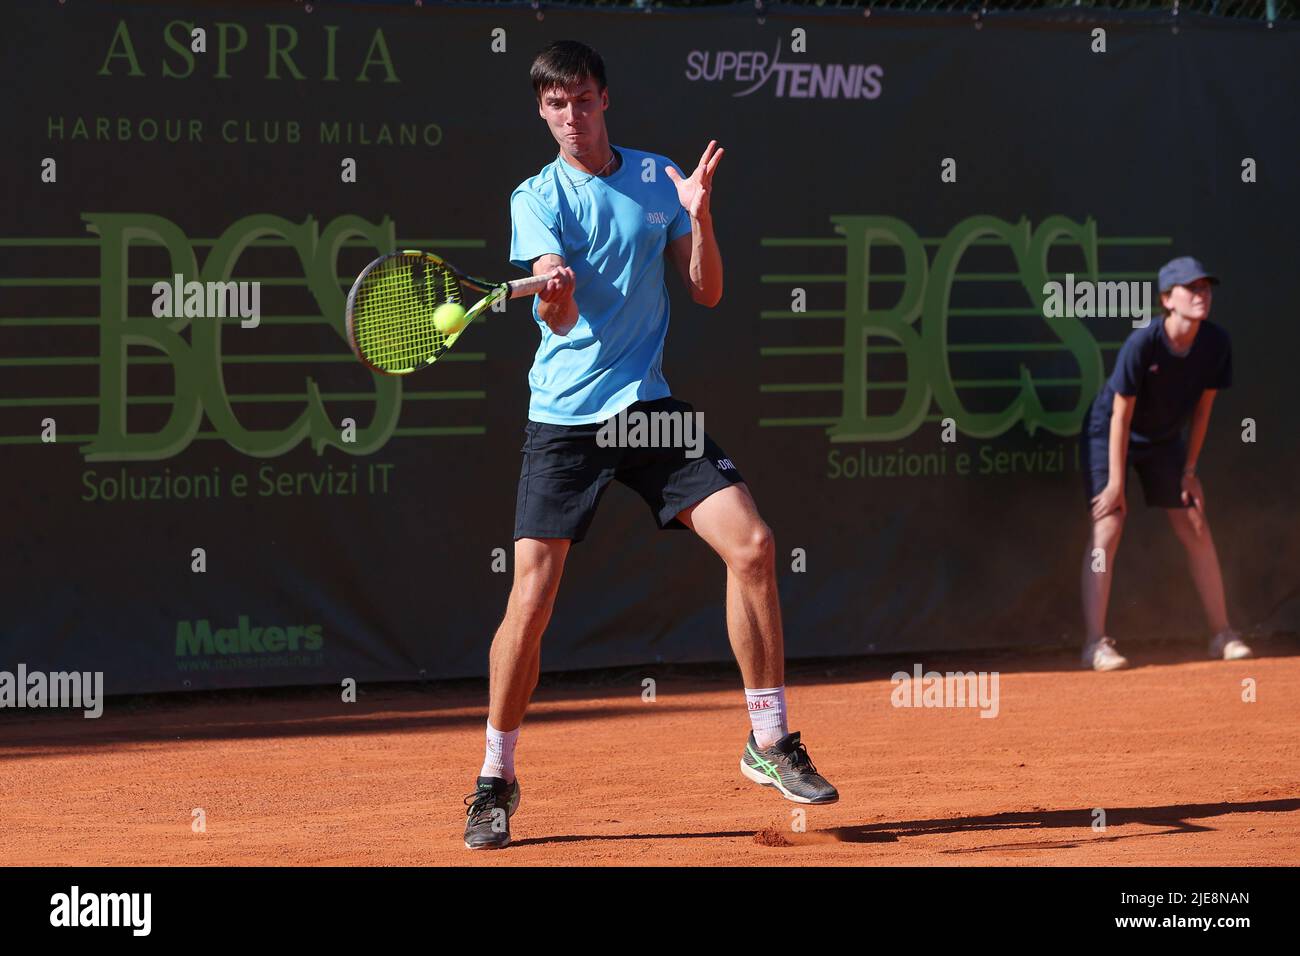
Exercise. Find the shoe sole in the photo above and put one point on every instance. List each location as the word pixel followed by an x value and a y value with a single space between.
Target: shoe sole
pixel 489 846
pixel 763 780
pixel 498 846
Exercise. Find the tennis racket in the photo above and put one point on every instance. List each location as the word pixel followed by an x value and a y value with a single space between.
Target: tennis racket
pixel 391 305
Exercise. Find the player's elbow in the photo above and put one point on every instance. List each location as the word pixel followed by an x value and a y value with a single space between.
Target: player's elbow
pixel 700 297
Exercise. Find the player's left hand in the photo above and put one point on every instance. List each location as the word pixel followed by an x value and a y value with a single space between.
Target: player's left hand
pixel 694 192
pixel 1194 497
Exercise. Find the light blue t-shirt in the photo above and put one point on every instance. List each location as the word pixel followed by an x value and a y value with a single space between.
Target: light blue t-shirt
pixel 612 232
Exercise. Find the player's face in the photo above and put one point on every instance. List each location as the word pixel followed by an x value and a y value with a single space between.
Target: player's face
pixel 576 116
pixel 1191 301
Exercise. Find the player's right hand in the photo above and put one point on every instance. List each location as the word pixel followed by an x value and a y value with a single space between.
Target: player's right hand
pixel 1110 499
pixel 560 285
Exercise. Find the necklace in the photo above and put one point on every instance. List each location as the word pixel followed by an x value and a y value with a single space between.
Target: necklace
pixel 560 157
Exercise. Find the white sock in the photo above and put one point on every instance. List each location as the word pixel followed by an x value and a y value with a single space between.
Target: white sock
pixel 767 714
pixel 500 758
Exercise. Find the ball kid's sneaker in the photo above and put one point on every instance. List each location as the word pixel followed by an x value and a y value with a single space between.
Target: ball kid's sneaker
pixel 1100 655
pixel 786 766
pixel 1229 646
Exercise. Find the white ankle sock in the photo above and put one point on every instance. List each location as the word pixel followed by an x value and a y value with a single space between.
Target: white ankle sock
pixel 500 758
pixel 766 714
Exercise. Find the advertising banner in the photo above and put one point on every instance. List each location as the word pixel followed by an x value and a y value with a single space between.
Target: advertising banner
pixel 203 501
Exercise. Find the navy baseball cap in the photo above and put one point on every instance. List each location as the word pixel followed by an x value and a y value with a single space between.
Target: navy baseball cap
pixel 1182 271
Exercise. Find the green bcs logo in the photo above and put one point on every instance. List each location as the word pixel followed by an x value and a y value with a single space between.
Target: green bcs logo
pixel 197 362
pixel 926 293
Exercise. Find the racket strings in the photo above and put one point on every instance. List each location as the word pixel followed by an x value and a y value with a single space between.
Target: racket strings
pixel 394 312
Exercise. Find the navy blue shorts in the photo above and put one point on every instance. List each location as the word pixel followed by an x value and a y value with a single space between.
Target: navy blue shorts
pixel 1159 467
pixel 566 471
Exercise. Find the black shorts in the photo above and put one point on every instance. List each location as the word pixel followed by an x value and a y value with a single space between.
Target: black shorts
pixel 1159 467
pixel 566 470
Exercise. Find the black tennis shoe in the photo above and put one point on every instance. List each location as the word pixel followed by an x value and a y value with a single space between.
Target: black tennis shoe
pixel 786 766
pixel 491 805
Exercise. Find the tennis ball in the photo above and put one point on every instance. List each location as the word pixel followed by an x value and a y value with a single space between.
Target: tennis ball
pixel 449 318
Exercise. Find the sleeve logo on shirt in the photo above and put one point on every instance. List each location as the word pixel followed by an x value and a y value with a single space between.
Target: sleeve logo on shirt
pixel 656 219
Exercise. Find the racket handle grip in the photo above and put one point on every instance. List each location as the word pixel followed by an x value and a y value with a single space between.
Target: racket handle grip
pixel 529 286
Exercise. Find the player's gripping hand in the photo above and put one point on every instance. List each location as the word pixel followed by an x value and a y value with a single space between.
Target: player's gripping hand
pixel 1110 499
pixel 560 287
pixel 558 308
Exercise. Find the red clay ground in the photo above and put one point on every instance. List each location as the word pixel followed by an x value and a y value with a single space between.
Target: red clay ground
pixel 1187 772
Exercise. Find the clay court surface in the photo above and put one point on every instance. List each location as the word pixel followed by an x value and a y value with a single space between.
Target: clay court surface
pixel 1187 772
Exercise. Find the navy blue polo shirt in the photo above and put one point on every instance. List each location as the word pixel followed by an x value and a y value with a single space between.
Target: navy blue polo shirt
pixel 1167 385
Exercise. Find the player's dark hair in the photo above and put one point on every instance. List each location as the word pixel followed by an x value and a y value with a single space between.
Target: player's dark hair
pixel 566 63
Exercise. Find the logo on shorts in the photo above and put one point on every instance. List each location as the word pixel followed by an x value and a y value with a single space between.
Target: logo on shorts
pixel 1154 368
pixel 724 464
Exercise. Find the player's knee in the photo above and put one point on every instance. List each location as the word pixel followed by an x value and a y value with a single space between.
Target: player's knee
pixel 532 595
pixel 531 599
pixel 755 554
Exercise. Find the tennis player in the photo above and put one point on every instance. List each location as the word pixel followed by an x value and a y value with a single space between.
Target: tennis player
pixel 602 220
pixel 1163 386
